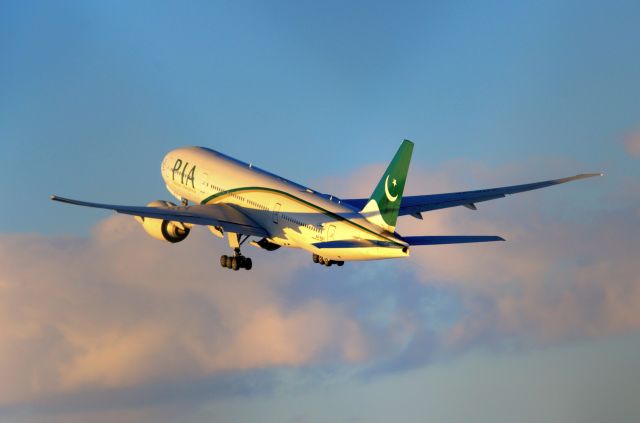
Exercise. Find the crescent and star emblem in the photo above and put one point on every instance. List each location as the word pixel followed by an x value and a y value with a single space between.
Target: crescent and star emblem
pixel 390 197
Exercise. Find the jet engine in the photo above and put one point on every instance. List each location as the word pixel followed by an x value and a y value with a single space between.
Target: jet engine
pixel 164 230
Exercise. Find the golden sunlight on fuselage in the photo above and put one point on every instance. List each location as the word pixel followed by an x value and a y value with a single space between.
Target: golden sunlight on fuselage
pixel 294 215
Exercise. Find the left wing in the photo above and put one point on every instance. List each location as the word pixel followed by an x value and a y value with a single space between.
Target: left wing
pixel 414 205
pixel 226 216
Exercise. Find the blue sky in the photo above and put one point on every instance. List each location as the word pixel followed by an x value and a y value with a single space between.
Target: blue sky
pixel 93 94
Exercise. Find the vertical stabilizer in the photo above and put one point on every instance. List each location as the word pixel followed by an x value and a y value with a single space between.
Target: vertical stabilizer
pixel 384 204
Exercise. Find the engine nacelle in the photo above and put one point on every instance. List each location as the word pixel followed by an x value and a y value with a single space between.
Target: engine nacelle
pixel 164 230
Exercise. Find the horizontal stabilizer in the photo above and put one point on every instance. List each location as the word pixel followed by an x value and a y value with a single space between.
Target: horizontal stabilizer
pixel 454 239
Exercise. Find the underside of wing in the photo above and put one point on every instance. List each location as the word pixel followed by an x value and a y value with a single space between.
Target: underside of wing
pixel 223 215
pixel 414 205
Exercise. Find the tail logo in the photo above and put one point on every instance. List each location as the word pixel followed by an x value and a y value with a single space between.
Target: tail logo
pixel 391 198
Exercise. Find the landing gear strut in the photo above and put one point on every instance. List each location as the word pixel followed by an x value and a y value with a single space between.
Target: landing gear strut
pixel 327 262
pixel 237 261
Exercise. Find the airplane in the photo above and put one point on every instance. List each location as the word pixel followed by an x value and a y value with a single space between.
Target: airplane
pixel 241 201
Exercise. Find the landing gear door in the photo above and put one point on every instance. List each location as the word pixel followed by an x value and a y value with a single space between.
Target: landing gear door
pixel 331 232
pixel 276 212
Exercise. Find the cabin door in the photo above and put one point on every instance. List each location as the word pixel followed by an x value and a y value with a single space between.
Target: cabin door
pixel 276 212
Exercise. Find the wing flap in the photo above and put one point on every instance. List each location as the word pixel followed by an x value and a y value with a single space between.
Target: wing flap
pixel 226 216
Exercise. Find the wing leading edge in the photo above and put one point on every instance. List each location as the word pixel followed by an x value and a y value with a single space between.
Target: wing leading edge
pixel 229 218
pixel 414 205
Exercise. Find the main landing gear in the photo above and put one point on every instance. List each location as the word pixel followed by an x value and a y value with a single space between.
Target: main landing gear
pixel 326 261
pixel 237 261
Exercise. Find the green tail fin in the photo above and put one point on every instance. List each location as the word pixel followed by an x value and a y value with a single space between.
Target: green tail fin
pixel 384 204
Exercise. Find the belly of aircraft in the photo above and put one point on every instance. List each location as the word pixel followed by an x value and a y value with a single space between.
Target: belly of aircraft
pixel 360 253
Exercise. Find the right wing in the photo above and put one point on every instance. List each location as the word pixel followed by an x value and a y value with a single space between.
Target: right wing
pixel 223 215
pixel 414 205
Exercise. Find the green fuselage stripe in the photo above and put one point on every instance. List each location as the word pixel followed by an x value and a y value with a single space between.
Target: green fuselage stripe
pixel 314 206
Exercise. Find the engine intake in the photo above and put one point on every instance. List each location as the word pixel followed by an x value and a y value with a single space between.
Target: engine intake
pixel 164 230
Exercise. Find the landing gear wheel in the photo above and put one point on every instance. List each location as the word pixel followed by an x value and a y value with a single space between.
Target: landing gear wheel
pixel 340 263
pixel 235 263
pixel 248 264
pixel 316 258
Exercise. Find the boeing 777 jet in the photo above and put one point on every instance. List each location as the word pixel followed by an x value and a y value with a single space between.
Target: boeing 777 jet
pixel 242 202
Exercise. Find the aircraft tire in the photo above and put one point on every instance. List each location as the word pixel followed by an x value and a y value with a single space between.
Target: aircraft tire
pixel 340 263
pixel 223 261
pixel 235 263
pixel 248 264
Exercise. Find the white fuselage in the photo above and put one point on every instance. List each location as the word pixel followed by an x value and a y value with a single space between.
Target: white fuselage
pixel 294 215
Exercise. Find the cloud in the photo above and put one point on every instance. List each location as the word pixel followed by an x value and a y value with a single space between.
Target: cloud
pixel 119 321
pixel 568 270
pixel 632 144
pixel 118 310
pixel 556 278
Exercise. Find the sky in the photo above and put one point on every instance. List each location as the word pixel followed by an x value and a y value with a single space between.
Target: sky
pixel 99 322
